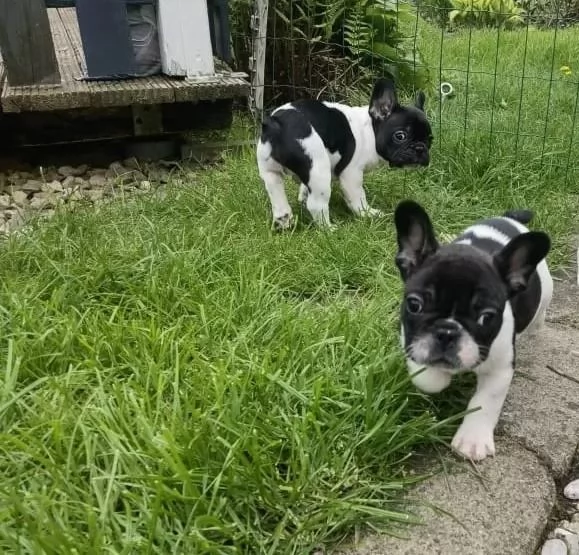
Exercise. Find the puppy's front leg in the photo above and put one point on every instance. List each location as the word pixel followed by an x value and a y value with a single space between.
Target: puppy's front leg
pixel 475 437
pixel 351 183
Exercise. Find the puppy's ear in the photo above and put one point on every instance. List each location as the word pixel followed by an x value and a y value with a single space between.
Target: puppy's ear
pixel 519 258
pixel 420 100
pixel 384 99
pixel 416 240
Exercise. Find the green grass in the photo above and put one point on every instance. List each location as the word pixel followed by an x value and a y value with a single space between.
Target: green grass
pixel 512 100
pixel 178 379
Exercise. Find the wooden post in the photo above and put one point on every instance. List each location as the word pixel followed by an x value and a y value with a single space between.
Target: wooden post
pixel 26 43
pixel 257 61
pixel 184 38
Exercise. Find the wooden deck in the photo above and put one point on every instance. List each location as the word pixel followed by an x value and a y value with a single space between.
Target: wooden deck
pixel 75 93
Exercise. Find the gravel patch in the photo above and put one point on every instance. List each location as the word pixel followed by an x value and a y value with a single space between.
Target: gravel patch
pixel 40 192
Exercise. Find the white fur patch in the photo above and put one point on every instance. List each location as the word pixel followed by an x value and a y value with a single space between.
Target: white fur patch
pixel 468 352
pixel 428 379
pixel 483 231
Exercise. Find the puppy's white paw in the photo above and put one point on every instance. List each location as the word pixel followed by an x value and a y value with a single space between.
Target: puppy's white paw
pixel 283 223
pixel 303 193
pixel 373 213
pixel 474 440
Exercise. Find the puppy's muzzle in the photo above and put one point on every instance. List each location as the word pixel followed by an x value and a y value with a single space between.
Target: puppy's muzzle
pixel 447 334
pixel 422 154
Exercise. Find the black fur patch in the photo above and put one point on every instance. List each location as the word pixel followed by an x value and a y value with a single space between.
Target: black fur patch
pixel 285 127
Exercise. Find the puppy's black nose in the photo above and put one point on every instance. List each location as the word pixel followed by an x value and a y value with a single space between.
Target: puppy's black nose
pixel 447 334
pixel 420 148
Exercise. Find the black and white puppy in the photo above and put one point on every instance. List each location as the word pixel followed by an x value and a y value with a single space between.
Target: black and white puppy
pixel 316 140
pixel 464 304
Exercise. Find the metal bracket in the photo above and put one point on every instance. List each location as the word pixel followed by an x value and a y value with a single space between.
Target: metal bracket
pixel 147 119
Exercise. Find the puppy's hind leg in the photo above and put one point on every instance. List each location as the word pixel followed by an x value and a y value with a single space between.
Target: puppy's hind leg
pixel 315 171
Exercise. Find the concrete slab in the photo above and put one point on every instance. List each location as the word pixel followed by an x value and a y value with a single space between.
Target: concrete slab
pixel 502 512
pixel 542 409
pixel 506 508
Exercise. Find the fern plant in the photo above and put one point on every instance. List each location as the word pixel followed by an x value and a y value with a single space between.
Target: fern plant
pixel 379 34
pixel 486 13
pixel 332 48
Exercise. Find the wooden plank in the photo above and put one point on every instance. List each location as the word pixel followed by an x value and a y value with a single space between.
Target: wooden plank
pixel 26 43
pixel 184 38
pixel 75 93
pixel 155 90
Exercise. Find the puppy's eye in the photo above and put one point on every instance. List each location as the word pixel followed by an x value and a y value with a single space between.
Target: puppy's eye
pixel 414 304
pixel 486 317
pixel 399 136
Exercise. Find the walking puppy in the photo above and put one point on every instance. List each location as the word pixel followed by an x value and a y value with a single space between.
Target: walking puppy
pixel 464 303
pixel 314 140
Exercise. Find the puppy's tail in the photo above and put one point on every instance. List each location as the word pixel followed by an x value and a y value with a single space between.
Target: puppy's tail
pixel 521 216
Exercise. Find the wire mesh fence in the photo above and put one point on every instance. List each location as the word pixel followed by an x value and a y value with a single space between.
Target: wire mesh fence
pixel 501 76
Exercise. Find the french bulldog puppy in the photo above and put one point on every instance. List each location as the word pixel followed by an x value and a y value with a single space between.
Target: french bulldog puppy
pixel 465 303
pixel 314 140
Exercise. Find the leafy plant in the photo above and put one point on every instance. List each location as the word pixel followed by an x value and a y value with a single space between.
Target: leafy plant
pixel 332 49
pixel 486 13
pixel 551 13
pixel 435 11
pixel 379 34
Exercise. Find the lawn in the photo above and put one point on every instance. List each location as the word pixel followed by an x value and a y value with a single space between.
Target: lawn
pixel 179 379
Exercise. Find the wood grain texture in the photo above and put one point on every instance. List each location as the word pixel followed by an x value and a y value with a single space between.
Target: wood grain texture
pixel 76 93
pixel 260 48
pixel 26 43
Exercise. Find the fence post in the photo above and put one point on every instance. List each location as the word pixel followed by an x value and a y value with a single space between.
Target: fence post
pixel 257 60
pixel 26 43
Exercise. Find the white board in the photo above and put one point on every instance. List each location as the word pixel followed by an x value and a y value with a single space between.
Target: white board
pixel 184 38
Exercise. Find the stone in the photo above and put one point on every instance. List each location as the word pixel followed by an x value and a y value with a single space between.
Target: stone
pixel 571 540
pixel 20 198
pixel 145 185
pixel 66 171
pixel 69 171
pixel 571 490
pixel 44 200
pixel 572 526
pixel 5 201
pixel 53 187
pixel 124 175
pixel 32 186
pixel 116 169
pixel 97 180
pixel 554 547
pixel 94 194
pixel 161 175
pixel 15 221
pixel 96 171
pixel 50 174
pixel 68 183
pixel 80 183
pixel 132 163
pixel 465 512
pixel 38 203
pixel 75 195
